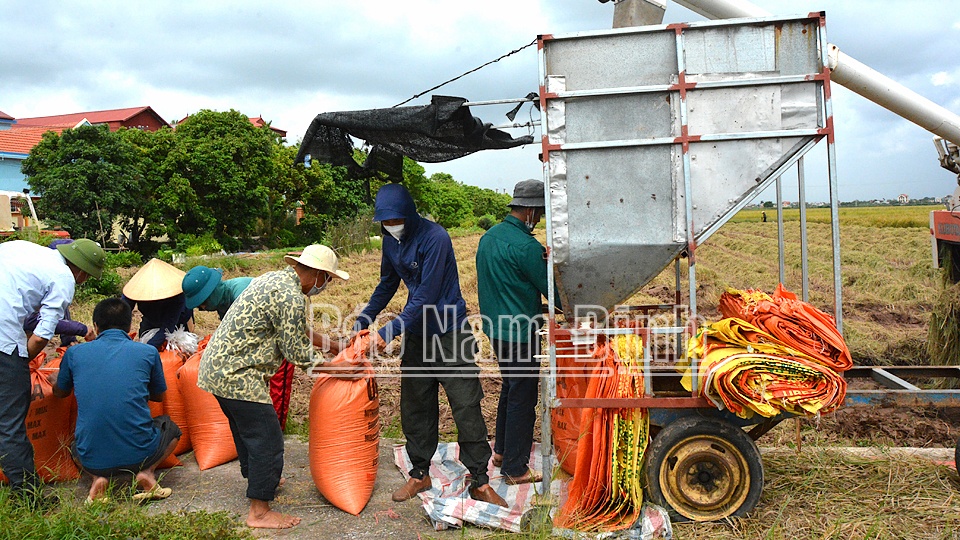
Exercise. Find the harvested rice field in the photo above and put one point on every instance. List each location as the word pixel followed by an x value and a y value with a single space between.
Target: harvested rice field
pixel 889 291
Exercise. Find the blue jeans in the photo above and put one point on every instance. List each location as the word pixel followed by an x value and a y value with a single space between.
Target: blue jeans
pixel 516 412
pixel 16 452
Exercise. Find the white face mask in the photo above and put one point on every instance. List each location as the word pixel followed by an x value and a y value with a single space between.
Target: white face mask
pixel 395 231
pixel 315 290
pixel 530 223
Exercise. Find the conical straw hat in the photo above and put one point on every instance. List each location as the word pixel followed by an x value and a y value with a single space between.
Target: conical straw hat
pixel 157 280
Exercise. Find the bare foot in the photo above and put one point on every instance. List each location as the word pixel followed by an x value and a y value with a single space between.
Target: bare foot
pixel 261 517
pixel 283 481
pixel 146 480
pixel 99 487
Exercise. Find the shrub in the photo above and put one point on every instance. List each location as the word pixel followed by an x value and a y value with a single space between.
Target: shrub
pixel 30 235
pixel 487 221
pixel 195 246
pixel 351 235
pixel 123 259
pixel 229 244
pixel 165 254
pixel 94 289
pixel 310 229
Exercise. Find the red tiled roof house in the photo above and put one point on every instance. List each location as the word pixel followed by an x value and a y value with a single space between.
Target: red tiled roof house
pixel 18 136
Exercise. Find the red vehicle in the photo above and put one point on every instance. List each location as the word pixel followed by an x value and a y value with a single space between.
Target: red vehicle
pixel 14 216
pixel 945 224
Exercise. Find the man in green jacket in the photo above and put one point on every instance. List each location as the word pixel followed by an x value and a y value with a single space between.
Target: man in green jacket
pixel 512 277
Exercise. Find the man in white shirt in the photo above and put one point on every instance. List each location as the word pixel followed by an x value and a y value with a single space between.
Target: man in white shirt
pixel 32 278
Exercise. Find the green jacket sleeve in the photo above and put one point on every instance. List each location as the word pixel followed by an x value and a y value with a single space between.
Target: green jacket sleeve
pixel 534 268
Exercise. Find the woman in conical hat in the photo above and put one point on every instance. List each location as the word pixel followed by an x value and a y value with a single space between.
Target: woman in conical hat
pixel 156 291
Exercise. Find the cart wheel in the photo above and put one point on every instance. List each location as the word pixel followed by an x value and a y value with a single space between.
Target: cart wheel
pixel 704 469
pixel 956 458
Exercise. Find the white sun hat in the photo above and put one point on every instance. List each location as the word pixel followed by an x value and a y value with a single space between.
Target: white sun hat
pixel 320 257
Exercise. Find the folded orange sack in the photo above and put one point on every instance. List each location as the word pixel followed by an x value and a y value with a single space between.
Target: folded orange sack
pixel 606 492
pixel 794 323
pixel 574 366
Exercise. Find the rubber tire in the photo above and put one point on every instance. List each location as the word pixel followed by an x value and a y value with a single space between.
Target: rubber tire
pixel 956 458
pixel 681 431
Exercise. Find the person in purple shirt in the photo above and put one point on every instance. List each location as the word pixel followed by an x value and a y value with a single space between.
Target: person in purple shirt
pixel 438 347
pixel 67 329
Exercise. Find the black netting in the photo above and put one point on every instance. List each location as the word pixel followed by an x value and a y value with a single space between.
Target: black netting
pixel 434 133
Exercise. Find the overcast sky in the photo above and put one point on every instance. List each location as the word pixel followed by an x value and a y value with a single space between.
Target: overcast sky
pixel 288 61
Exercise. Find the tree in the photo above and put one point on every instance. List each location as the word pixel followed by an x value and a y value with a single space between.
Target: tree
pixel 447 202
pixel 327 194
pixel 414 179
pixel 143 220
pixel 487 201
pixel 86 177
pixel 216 175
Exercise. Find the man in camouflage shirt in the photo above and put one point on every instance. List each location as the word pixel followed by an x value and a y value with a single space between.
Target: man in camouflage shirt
pixel 265 324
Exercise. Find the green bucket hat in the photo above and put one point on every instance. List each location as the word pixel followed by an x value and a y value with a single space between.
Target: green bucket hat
pixel 198 284
pixel 86 255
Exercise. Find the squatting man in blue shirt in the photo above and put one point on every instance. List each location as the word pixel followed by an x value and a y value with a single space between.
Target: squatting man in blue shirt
pixel 113 377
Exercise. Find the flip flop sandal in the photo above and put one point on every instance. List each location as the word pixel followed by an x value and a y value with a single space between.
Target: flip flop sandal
pixel 103 499
pixel 155 494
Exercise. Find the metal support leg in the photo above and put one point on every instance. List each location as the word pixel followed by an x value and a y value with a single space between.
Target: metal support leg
pixel 780 257
pixel 803 232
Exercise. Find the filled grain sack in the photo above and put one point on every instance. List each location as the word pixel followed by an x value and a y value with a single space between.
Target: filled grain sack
pixel 50 424
pixel 206 424
pixel 345 433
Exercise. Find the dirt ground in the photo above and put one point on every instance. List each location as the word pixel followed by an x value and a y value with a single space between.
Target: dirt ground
pixel 929 427
pixel 389 390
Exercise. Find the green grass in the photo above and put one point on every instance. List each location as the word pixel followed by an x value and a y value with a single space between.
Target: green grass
pixel 114 519
pixel 865 216
pixel 390 429
pixel 299 427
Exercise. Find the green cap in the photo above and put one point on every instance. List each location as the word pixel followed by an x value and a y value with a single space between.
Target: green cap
pixel 86 255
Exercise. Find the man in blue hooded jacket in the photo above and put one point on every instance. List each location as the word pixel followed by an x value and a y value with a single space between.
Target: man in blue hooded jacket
pixel 438 346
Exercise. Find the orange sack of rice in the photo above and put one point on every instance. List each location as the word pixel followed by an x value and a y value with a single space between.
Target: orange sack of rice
pixel 209 429
pixel 172 405
pixel 50 425
pixel 345 433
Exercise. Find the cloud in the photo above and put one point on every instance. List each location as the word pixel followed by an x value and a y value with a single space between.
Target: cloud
pixel 941 78
pixel 289 61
